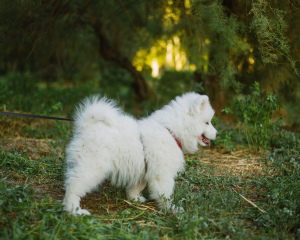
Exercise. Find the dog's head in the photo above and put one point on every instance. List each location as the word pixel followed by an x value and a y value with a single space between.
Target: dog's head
pixel 198 121
pixel 208 132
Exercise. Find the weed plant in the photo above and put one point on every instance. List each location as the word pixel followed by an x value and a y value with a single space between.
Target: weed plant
pixel 256 121
pixel 256 118
pixel 227 134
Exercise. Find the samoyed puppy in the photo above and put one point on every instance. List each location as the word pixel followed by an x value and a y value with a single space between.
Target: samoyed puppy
pixel 109 144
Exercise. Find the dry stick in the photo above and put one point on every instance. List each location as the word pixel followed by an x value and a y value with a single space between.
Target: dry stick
pixel 26 181
pixel 252 203
pixel 115 219
pixel 150 224
pixel 133 205
pixel 143 209
pixel 150 208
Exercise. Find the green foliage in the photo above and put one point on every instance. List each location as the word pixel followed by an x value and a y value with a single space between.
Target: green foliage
pixel 226 139
pixel 286 155
pixel 22 92
pixel 256 118
pixel 283 186
pixel 213 210
pixel 281 202
pixel 230 44
pixel 79 40
pixel 226 132
pixel 174 83
pixel 281 183
pixel 117 83
pixel 14 85
pixel 271 28
pixel 17 83
pixel 225 43
pixel 16 162
pixel 198 88
pixel 13 198
pixel 286 140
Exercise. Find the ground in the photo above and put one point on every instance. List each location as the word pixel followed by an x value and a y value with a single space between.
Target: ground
pixel 238 163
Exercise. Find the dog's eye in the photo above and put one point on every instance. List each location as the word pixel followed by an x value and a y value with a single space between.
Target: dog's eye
pixel 207 123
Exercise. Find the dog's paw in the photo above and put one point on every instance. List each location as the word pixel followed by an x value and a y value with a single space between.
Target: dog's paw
pixel 141 199
pixel 180 210
pixel 176 210
pixel 82 212
pixel 138 199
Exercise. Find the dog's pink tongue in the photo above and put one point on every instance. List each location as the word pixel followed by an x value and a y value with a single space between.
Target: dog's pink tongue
pixel 205 139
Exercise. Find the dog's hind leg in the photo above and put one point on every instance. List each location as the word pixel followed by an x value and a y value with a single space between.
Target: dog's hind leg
pixel 78 184
pixel 133 193
pixel 161 190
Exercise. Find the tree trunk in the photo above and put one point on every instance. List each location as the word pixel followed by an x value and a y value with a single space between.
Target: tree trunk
pixel 112 54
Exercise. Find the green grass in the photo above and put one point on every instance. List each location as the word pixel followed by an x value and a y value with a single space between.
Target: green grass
pixel 213 209
pixel 31 188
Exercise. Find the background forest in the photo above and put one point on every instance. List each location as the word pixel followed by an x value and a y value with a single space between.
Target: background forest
pixel 244 54
pixel 150 51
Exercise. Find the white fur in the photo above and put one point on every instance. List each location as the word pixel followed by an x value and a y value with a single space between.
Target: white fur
pixel 107 143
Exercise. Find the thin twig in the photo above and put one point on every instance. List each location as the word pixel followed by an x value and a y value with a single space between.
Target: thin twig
pixel 249 201
pixel 133 205
pixel 126 219
pixel 151 208
pixel 125 9
pixel 26 180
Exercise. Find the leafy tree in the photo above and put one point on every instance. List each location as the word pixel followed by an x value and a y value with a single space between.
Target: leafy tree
pixel 228 44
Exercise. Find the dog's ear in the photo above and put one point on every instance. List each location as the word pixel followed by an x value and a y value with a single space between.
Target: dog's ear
pixel 203 102
pixel 198 105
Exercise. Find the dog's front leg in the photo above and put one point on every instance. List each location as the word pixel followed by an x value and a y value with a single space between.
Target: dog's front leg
pixel 161 190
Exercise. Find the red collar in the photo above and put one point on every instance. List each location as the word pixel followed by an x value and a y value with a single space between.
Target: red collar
pixel 176 139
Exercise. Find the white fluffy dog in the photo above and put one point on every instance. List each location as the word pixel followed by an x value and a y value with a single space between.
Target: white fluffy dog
pixel 108 144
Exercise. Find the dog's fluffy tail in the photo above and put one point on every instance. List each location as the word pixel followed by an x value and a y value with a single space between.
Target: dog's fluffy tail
pixel 96 109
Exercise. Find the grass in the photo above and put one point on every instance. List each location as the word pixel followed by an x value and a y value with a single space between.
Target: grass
pixel 215 194
pixel 226 193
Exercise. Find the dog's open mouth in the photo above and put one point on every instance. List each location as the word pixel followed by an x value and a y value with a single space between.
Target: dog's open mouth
pixel 204 139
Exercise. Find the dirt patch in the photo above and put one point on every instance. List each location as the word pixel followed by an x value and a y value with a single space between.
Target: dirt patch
pixel 16 127
pixel 107 200
pixel 240 162
pixel 33 148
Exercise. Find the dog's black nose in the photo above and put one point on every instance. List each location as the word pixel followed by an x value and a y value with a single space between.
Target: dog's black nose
pixel 217 134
